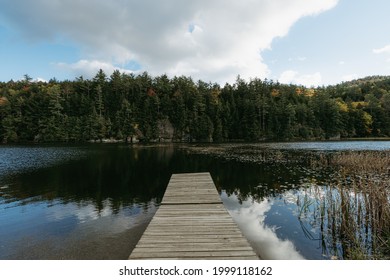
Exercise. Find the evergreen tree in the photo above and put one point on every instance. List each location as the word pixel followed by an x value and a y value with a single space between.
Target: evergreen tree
pixel 125 105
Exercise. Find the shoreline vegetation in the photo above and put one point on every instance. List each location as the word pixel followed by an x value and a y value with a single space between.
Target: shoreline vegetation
pixel 137 142
pixel 355 205
pixel 129 108
pixel 346 203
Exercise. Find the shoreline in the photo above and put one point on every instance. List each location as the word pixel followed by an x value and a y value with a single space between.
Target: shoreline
pixel 162 143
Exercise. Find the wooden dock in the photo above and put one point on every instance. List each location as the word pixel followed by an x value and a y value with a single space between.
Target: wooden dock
pixel 192 223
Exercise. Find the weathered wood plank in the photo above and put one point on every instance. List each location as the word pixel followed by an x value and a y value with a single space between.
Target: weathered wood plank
pixel 212 246
pixel 192 223
pixel 199 258
pixel 205 254
pixel 191 188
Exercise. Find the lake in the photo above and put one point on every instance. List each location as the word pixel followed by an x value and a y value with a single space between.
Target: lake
pixel 94 201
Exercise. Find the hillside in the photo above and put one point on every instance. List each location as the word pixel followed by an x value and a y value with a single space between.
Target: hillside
pixel 128 107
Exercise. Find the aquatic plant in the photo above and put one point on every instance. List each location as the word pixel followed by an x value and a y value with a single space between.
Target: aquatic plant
pixel 353 209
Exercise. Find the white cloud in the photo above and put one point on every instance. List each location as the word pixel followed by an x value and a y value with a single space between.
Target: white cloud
pixel 211 40
pixel 294 77
pixel 40 80
pixel 385 49
pixel 88 69
pixel 349 77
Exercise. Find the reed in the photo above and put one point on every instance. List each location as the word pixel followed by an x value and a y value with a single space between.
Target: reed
pixel 353 209
pixel 368 162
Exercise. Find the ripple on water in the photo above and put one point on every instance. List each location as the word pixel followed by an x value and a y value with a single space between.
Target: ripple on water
pixel 20 159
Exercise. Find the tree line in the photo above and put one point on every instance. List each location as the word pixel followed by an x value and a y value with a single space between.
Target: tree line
pixel 128 107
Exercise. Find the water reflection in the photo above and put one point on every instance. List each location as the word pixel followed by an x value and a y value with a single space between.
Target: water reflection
pixel 18 159
pixel 71 231
pixel 116 173
pixel 324 145
pixel 94 201
pixel 69 207
pixel 250 217
pixel 88 215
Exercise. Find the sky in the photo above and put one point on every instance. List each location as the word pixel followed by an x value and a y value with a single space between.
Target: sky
pixel 307 42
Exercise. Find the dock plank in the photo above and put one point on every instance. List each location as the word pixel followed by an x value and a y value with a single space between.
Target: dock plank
pixel 192 223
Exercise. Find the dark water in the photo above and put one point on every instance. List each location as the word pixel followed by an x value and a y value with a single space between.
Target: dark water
pixel 94 201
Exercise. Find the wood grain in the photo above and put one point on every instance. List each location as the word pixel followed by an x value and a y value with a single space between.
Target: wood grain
pixel 192 223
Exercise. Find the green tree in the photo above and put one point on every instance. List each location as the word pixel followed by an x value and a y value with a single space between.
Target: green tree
pixel 125 120
pixel 327 114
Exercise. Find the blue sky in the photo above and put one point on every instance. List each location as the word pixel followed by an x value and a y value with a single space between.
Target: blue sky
pixel 316 42
pixel 339 44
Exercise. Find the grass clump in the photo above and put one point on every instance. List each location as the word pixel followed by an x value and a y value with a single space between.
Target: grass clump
pixel 353 209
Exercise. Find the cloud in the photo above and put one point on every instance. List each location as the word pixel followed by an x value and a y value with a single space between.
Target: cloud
pixel 349 77
pixel 385 49
pixel 40 80
pixel 88 69
pixel 294 77
pixel 211 40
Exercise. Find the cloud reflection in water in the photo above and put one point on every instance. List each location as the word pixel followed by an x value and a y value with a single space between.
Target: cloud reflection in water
pixel 250 216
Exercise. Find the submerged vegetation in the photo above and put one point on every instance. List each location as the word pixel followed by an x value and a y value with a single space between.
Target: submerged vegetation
pixel 127 107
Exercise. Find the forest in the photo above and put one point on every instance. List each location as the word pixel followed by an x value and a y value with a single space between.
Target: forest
pixel 129 107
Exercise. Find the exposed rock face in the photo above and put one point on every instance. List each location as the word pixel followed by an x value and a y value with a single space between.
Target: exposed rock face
pixel 165 130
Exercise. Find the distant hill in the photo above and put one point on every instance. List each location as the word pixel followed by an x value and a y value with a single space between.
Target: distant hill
pixel 373 80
